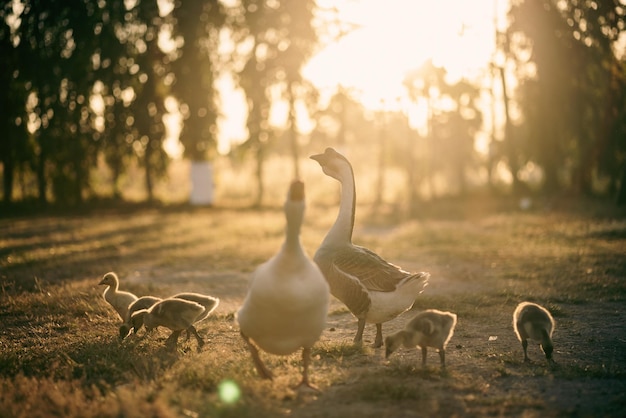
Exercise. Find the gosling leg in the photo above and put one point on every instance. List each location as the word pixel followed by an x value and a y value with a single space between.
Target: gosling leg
pixel 424 351
pixel 442 357
pixel 172 340
pixel 525 347
pixel 193 330
pixel 263 371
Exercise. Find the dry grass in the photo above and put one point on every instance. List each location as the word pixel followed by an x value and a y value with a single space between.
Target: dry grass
pixel 59 355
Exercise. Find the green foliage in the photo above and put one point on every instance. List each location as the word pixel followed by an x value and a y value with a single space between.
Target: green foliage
pixel 572 100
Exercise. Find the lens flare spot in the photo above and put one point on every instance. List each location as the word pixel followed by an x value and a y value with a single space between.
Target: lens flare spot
pixel 228 391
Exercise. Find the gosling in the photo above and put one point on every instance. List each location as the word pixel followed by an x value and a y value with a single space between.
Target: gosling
pixel 532 321
pixel 144 302
pixel 119 300
pixel 176 314
pixel 210 303
pixel 430 328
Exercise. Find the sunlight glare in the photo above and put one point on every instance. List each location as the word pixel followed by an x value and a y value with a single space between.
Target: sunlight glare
pixel 400 36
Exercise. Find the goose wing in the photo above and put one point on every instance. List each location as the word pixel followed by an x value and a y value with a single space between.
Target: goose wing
pixel 348 288
pixel 372 272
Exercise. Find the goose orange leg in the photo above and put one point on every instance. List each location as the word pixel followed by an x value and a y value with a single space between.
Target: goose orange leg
pixel 358 338
pixel 306 360
pixel 263 371
pixel 378 342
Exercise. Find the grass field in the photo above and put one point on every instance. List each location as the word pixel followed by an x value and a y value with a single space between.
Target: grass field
pixel 60 355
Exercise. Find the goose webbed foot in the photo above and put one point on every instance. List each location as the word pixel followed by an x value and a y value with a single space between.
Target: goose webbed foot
pixel 306 387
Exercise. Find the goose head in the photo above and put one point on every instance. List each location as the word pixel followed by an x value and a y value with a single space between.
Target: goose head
pixel 333 164
pixel 110 279
pixel 296 191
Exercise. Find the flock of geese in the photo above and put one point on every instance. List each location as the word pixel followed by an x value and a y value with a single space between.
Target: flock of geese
pixel 286 305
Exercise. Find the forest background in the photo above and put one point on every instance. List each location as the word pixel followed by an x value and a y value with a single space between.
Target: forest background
pixel 92 89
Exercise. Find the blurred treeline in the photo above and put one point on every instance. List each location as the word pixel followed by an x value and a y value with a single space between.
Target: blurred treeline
pixel 85 83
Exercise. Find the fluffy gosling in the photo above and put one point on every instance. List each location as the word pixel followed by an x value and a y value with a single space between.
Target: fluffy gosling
pixel 210 303
pixel 532 321
pixel 176 314
pixel 430 328
pixel 143 302
pixel 117 299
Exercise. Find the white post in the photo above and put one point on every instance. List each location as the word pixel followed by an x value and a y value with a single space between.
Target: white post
pixel 201 183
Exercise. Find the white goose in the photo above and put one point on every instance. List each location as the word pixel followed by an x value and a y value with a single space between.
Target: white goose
pixel 116 298
pixel 287 302
pixel 534 322
pixel 430 328
pixel 175 314
pixel 374 290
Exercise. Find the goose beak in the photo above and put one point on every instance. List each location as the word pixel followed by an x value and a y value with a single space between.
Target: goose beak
pixel 325 157
pixel 317 157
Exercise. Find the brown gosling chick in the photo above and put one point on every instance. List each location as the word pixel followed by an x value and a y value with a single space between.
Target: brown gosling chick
pixel 175 314
pixel 430 328
pixel 143 302
pixel 210 303
pixel 532 321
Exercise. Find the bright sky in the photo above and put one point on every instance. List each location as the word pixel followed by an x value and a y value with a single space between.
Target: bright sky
pixel 398 35
pixel 394 36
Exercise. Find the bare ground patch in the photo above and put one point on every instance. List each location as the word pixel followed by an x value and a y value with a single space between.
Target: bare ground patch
pixel 59 354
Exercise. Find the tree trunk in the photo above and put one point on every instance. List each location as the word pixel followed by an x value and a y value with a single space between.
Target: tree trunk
pixel 380 181
pixel 509 143
pixel 293 134
pixel 41 177
pixel 148 164
pixel 259 174
pixel 621 193
pixel 7 179
pixel 201 183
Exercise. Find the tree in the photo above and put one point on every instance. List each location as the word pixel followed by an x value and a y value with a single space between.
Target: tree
pixel 426 82
pixel 13 143
pixel 148 107
pixel 278 37
pixel 571 94
pixel 196 27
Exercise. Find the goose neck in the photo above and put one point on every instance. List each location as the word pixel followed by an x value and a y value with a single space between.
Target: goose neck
pixel 294 214
pixel 344 224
